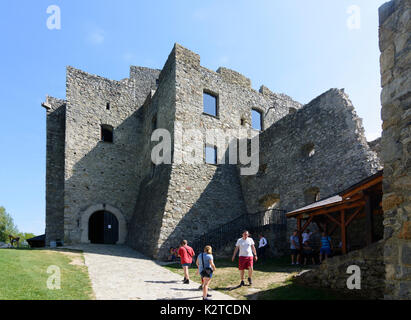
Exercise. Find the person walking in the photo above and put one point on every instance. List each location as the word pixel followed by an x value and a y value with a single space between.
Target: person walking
pixel 245 246
pixel 206 267
pixel 262 246
pixel 186 254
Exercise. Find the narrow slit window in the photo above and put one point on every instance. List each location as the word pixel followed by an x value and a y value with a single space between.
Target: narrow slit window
pixel 210 104
pixel 152 170
pixel 107 133
pixel 108 106
pixel 211 155
pixel 257 119
pixel 154 123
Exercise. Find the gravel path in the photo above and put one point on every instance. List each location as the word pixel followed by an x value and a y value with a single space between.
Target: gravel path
pixel 121 273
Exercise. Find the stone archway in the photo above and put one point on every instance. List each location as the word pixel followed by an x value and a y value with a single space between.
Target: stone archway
pixel 85 217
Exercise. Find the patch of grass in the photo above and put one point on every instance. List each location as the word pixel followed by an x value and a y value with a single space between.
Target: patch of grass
pixel 271 281
pixel 24 275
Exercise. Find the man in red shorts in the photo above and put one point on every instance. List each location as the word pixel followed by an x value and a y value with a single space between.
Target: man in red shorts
pixel 246 247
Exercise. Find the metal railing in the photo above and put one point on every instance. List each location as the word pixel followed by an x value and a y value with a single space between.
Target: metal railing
pixel 273 220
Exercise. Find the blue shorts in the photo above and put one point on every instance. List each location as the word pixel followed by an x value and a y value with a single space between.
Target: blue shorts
pixel 186 264
pixel 326 251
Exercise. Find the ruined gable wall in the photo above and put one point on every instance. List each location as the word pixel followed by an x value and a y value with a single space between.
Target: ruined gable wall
pixel 395 45
pixel 342 156
pixel 56 118
pixel 98 172
pixel 375 146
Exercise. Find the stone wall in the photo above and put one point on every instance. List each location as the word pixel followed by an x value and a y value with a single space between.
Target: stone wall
pixel 98 172
pixel 375 146
pixel 316 151
pixel 332 273
pixel 395 45
pixel 146 223
pixel 56 117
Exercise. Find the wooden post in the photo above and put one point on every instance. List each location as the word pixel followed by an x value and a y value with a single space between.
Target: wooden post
pixel 300 237
pixel 369 223
pixel 343 233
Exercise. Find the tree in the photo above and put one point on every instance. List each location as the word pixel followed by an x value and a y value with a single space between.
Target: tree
pixel 7 225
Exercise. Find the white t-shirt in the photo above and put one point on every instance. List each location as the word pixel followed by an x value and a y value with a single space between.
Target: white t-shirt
pixel 262 243
pixel 306 236
pixel 245 247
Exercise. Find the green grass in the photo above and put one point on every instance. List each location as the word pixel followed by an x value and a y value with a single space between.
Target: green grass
pixel 271 281
pixel 23 275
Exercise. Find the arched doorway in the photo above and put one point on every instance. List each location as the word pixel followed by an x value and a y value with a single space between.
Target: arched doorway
pixel 103 228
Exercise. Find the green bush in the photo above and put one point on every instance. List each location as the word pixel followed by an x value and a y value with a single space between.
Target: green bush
pixel 7 227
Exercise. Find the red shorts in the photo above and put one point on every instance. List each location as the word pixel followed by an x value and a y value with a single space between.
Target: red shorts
pixel 245 262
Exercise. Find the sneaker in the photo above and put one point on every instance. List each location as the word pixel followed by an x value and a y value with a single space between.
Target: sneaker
pixel 186 281
pixel 242 284
pixel 250 281
pixel 209 295
pixel 205 298
pixel 200 288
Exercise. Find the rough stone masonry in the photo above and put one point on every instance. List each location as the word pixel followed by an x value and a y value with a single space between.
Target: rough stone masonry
pixel 395 46
pixel 305 151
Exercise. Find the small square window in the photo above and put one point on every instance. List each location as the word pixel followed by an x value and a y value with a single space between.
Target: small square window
pixel 107 133
pixel 257 119
pixel 211 155
pixel 210 104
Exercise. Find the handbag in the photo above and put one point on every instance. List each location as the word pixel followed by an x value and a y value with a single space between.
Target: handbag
pixel 206 272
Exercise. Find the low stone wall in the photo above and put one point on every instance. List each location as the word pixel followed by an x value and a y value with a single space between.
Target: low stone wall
pixel 332 273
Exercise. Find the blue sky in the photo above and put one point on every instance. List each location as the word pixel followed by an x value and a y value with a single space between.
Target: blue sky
pixel 301 48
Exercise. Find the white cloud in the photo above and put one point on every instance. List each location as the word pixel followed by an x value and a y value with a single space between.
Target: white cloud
pixel 96 37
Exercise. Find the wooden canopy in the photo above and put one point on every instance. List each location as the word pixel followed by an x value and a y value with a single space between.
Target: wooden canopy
pixel 360 200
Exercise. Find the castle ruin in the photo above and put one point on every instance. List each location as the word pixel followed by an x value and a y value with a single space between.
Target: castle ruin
pixel 99 169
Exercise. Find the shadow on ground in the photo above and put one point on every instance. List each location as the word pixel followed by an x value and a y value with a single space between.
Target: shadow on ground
pixel 292 291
